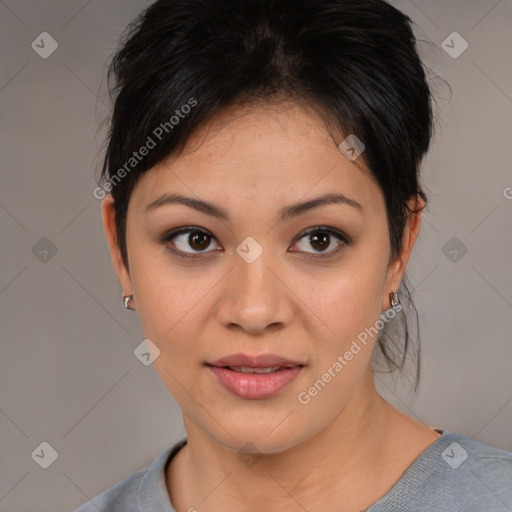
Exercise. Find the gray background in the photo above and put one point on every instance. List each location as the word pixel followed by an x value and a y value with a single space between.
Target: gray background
pixel 67 369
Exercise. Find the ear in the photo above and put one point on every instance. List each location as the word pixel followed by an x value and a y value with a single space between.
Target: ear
pixel 109 226
pixel 397 268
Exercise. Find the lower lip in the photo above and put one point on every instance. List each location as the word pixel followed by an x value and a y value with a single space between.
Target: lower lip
pixel 255 386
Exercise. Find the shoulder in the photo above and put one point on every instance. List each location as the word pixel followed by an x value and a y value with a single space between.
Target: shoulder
pixel 454 474
pixel 145 486
pixel 482 474
pixel 119 497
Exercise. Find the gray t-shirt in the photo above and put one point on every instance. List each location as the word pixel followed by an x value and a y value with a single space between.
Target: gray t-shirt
pixel 454 474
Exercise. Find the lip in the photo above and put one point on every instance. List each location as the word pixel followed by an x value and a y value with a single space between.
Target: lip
pixel 255 386
pixel 255 361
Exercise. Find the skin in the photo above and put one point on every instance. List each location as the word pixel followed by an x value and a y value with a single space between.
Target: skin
pixel 347 446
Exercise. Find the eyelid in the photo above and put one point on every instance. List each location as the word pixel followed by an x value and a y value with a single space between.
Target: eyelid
pixel 170 235
pixel 324 229
pixel 344 239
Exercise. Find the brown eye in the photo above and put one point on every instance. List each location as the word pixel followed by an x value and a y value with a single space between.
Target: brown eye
pixel 188 242
pixel 322 240
pixel 198 240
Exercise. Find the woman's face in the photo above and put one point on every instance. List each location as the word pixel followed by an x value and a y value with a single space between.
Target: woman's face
pixel 257 282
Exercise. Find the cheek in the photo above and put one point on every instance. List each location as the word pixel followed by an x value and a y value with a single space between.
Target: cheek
pixel 348 299
pixel 172 309
pixel 344 349
pixel 170 299
pixel 173 317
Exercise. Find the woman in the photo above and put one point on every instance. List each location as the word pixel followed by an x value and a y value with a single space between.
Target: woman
pixel 261 201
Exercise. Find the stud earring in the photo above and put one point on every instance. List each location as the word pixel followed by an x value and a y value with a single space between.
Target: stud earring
pixel 395 301
pixel 126 302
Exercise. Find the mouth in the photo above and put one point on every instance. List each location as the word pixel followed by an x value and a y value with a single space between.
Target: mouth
pixel 255 383
pixel 260 370
pixel 251 362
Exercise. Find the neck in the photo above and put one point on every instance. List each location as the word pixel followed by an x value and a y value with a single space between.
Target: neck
pixel 332 466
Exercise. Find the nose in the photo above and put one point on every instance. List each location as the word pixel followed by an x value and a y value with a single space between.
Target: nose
pixel 254 298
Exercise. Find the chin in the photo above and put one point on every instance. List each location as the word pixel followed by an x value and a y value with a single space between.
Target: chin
pixel 258 439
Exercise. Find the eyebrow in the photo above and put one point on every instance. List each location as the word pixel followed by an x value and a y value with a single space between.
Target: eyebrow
pixel 284 213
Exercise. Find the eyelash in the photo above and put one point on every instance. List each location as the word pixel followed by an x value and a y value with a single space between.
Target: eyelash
pixel 168 237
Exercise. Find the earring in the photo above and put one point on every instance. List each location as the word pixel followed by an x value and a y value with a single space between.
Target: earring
pixel 126 302
pixel 395 301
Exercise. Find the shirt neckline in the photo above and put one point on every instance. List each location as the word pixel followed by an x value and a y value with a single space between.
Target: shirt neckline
pixel 152 491
pixel 425 464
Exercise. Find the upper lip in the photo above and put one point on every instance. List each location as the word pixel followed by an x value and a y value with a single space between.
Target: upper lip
pixel 255 361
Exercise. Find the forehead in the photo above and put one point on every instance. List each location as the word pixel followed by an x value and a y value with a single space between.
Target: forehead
pixel 262 152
